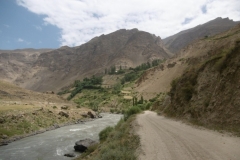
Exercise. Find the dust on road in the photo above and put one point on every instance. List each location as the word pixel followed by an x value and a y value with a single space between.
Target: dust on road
pixel 166 139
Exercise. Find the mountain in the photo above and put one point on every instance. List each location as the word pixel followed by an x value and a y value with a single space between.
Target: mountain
pixel 208 92
pixel 180 40
pixel 18 63
pixel 202 82
pixel 55 69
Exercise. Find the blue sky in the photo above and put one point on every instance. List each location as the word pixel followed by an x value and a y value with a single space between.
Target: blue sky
pixel 20 28
pixel 55 23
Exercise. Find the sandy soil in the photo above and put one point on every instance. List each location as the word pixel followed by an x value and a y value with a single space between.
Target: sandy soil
pixel 166 139
pixel 158 80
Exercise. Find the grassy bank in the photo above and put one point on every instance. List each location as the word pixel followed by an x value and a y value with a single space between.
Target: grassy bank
pixel 117 143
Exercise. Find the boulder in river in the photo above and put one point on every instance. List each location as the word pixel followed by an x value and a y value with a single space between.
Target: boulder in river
pixel 83 145
pixel 70 155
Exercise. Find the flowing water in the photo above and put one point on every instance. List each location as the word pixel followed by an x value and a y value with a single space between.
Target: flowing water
pixel 54 144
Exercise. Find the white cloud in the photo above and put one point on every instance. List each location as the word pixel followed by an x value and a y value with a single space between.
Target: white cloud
pixel 23 41
pixel 20 40
pixel 38 27
pixel 81 20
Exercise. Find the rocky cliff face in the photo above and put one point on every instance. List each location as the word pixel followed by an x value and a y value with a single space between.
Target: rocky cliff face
pixel 57 68
pixel 208 92
pixel 180 40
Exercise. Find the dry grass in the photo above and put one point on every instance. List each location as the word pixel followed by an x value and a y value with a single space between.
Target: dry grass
pixel 6 107
pixel 125 92
pixel 128 97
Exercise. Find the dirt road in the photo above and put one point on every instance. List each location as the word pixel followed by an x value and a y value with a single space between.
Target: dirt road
pixel 166 139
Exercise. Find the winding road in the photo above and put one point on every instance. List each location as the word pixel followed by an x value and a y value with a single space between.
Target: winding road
pixel 165 139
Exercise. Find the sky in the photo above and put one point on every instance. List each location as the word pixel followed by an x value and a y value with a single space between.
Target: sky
pixel 56 23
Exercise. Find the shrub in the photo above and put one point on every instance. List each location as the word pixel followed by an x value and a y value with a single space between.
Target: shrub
pixel 121 145
pixel 141 106
pixel 131 111
pixel 105 133
pixel 89 150
pixel 148 105
pixel 188 91
pixel 112 110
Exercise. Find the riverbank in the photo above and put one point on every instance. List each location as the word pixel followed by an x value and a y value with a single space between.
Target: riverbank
pixel 56 126
pixel 17 125
pixel 55 143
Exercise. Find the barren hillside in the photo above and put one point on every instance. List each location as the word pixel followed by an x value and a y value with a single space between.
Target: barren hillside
pixel 15 64
pixel 180 40
pixel 208 91
pixel 159 79
pixel 55 69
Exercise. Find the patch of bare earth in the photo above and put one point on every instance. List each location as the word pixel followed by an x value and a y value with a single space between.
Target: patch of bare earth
pixel 158 79
pixel 166 139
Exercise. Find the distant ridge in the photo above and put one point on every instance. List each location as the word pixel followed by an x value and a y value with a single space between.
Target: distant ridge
pixel 43 70
pixel 180 40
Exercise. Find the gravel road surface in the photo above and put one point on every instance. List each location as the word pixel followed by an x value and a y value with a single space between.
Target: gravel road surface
pixel 166 139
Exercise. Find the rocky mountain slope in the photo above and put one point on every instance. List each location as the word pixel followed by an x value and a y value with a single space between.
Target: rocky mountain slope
pixel 208 91
pixel 55 69
pixel 180 40
pixel 17 63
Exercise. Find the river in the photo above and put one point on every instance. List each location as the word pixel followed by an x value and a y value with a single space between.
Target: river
pixel 54 144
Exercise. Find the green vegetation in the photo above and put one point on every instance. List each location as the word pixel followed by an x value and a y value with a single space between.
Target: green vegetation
pixel 206 93
pixel 87 83
pixel 113 70
pixel 131 111
pixel 119 144
pixel 148 65
pixel 105 133
pixel 90 93
pixel 131 76
pixel 18 124
pixel 137 71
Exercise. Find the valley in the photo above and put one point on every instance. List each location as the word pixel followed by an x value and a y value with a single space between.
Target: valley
pixel 195 80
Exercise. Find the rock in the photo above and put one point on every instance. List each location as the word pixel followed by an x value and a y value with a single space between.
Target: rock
pixel 91 114
pixel 64 107
pixel 2 120
pixel 34 113
pixel 4 136
pixel 84 115
pixel 70 155
pixel 56 126
pixel 3 143
pixel 82 145
pixel 49 92
pixel 61 113
pixel 99 116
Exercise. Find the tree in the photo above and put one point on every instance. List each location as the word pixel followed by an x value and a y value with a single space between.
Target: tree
pixel 141 100
pixel 106 71
pixel 112 70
